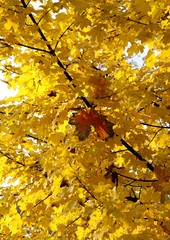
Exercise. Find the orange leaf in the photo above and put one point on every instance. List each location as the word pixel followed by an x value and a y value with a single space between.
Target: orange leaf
pixel 83 121
pixel 103 127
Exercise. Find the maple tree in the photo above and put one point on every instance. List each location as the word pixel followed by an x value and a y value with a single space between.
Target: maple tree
pixel 85 142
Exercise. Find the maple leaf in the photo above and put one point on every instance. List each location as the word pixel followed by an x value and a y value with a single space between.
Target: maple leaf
pixel 103 127
pixel 83 120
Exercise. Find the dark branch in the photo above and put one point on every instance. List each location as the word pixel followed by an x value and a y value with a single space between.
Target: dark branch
pixel 155 126
pixel 44 15
pixel 134 152
pixel 63 34
pixel 35 138
pixel 88 104
pixel 26 46
pixel 73 221
pixel 155 135
pixel 137 180
pixel 33 48
pixel 6 155
pixel 36 23
pixel 11 70
pixel 4 82
pixel 23 165
pixel 10 158
pixel 123 150
pixel 135 21
pixel 52 52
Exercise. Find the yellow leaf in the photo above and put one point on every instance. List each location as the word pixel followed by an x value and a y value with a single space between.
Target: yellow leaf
pixel 80 233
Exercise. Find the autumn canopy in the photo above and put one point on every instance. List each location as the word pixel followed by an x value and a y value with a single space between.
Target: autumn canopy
pixel 85 141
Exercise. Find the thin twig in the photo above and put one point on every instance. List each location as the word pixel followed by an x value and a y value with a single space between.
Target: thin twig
pixel 4 81
pixel 28 2
pixel 26 46
pixel 123 150
pixel 129 184
pixel 44 15
pixel 10 70
pixel 43 199
pixel 10 158
pixel 137 180
pixel 38 139
pixel 73 221
pixel 85 188
pixel 63 34
pixel 155 126
pixel 135 21
pixel 154 136
pixel 33 48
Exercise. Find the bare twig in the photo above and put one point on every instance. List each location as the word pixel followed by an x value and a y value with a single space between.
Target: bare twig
pixel 23 45
pixel 11 70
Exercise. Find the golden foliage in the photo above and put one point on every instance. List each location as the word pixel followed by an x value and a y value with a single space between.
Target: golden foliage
pixel 108 62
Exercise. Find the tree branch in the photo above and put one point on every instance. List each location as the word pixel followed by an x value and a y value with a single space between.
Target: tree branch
pixel 33 48
pixel 135 21
pixel 73 221
pixel 35 138
pixel 83 186
pixel 10 158
pixel 26 46
pixel 63 34
pixel 44 15
pixel 52 52
pixel 43 199
pixel 137 180
pixel 155 126
pixel 123 150
pixel 134 152
pixel 154 136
